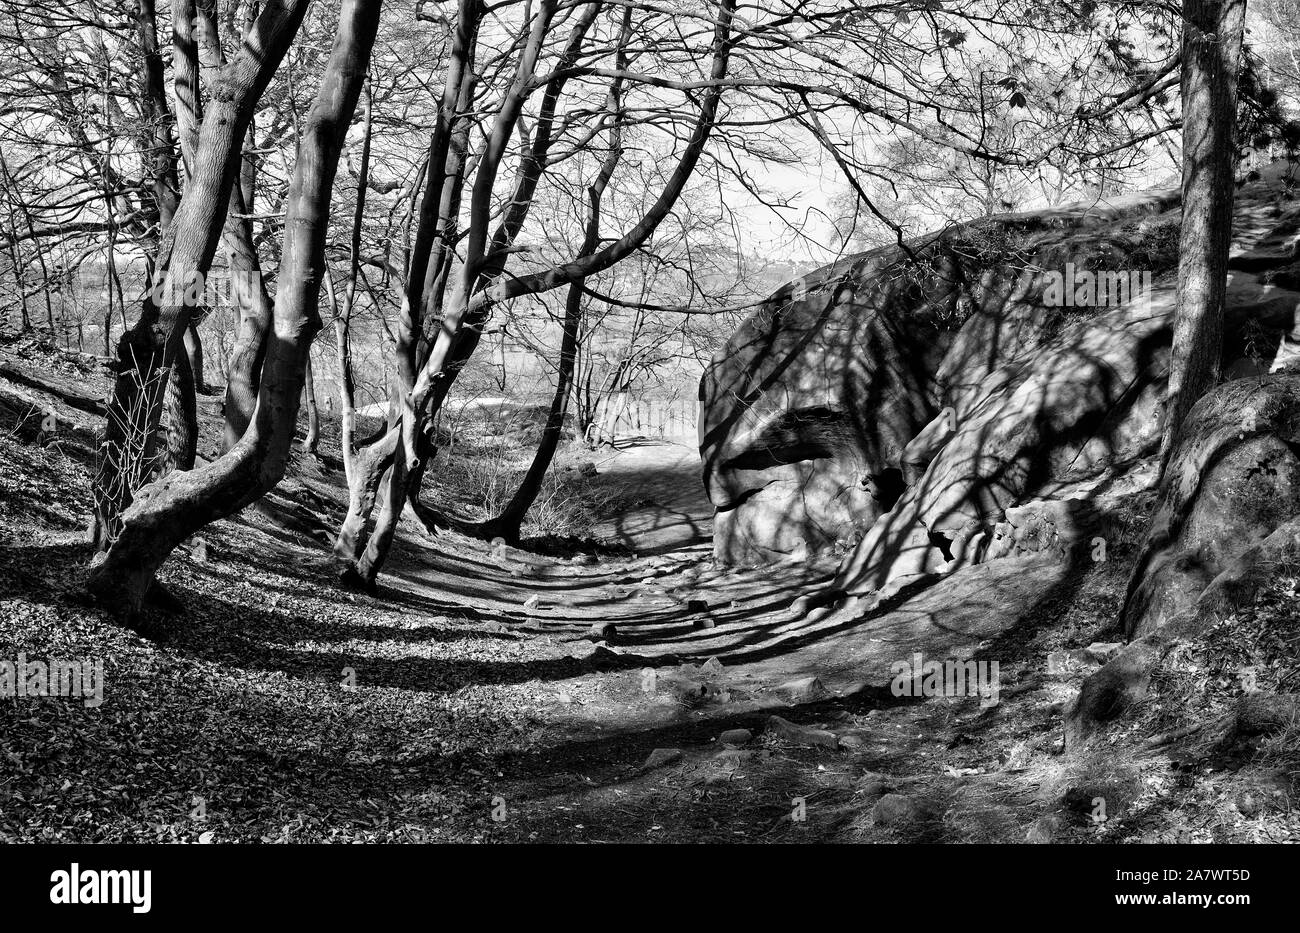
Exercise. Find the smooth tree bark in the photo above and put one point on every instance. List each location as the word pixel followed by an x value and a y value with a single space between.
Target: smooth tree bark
pixel 170 509
pixel 198 61
pixel 473 294
pixel 248 292
pixel 194 356
pixel 1212 40
pixel 371 466
pixel 343 313
pixel 487 258
pixel 149 350
pixel 312 440
pixel 509 523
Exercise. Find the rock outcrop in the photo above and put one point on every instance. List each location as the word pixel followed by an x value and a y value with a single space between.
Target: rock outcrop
pixel 1232 480
pixel 976 393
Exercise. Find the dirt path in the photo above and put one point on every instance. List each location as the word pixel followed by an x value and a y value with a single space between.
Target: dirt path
pixel 479 678
pixel 660 485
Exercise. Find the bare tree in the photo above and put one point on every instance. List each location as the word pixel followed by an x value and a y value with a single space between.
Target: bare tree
pixel 172 508
pixel 1212 36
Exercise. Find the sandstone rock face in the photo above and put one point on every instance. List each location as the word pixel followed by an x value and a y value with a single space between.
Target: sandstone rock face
pixel 839 391
pixel 976 394
pixel 1232 480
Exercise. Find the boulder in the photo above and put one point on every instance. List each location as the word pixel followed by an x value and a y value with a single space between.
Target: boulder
pixel 933 406
pixel 1232 480
pixel 840 390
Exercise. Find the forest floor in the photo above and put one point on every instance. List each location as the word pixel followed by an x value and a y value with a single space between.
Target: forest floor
pixel 578 695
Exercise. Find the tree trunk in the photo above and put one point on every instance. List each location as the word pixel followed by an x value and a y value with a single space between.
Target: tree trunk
pixel 429 259
pixel 182 419
pixel 312 440
pixel 409 455
pixel 343 316
pixel 171 509
pixel 1212 38
pixel 370 466
pixel 509 523
pixel 480 285
pixel 194 353
pixel 154 342
pixel 255 311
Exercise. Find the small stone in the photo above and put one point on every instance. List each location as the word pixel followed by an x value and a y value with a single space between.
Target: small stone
pixel 662 757
pixel 602 631
pixel 801 735
pixel 855 738
pixel 893 809
pixel 588 469
pixel 532 602
pixel 697 605
pixel 836 779
pixel 736 738
pixel 704 622
pixel 713 665
pixel 200 551
pixel 804 690
pixel 1103 651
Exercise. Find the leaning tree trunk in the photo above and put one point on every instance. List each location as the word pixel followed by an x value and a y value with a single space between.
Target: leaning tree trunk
pixel 509 523
pixel 356 551
pixel 147 352
pixel 255 311
pixel 194 354
pixel 1212 37
pixel 480 285
pixel 312 440
pixel 196 61
pixel 459 318
pixel 168 511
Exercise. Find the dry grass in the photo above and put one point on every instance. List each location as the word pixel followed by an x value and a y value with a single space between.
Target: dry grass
pixel 489 460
